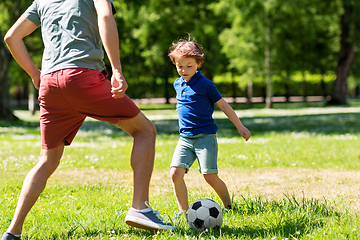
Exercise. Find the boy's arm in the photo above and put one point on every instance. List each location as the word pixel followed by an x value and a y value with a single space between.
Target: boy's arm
pixel 14 40
pixel 110 38
pixel 230 113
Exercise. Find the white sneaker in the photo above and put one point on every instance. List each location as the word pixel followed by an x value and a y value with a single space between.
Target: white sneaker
pixel 151 220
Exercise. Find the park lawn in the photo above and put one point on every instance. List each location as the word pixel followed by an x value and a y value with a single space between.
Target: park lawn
pixel 297 178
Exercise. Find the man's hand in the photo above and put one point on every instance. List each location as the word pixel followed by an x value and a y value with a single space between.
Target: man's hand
pixel 36 79
pixel 119 85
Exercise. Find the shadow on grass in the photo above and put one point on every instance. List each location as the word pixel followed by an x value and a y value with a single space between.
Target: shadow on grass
pixel 334 123
pixel 339 123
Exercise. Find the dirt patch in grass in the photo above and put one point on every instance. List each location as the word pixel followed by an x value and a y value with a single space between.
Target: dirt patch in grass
pixel 339 186
pixel 342 187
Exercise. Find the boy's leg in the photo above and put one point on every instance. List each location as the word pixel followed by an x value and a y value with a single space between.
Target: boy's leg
pixel 177 177
pixel 220 188
pixel 34 184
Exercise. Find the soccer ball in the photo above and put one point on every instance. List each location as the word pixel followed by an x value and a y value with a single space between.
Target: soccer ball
pixel 204 213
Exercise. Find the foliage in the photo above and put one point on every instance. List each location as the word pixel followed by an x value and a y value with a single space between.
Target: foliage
pixel 304 37
pixel 296 44
pixel 152 27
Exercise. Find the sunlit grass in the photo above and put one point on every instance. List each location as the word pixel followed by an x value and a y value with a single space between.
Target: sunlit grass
pixel 295 179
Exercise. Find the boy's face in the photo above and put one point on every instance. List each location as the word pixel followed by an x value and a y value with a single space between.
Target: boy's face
pixel 186 67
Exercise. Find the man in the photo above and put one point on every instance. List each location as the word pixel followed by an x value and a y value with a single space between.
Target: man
pixel 72 86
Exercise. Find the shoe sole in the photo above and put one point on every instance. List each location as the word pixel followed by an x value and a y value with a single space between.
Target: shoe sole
pixel 135 223
pixel 9 236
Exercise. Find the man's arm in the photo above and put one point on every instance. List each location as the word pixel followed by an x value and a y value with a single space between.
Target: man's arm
pixel 14 40
pixel 109 36
pixel 230 113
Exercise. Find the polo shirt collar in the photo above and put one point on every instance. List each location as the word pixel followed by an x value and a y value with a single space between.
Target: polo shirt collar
pixel 193 80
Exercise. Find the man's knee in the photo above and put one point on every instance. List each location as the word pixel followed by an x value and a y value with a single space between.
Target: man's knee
pixel 50 158
pixel 138 125
pixel 152 129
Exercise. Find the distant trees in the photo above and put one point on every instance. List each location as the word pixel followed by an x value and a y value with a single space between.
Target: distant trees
pixel 153 25
pixel 267 43
pixel 279 37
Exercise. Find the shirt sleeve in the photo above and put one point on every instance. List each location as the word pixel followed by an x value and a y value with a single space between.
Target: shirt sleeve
pixel 32 14
pixel 112 4
pixel 213 92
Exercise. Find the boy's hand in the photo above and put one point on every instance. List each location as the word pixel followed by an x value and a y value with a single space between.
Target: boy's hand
pixel 244 132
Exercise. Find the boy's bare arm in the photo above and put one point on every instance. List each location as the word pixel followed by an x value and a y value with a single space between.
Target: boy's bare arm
pixel 230 113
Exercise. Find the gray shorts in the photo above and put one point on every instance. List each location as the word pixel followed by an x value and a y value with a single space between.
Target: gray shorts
pixel 203 147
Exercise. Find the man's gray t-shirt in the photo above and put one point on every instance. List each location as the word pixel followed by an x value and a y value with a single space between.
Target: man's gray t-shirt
pixel 70 34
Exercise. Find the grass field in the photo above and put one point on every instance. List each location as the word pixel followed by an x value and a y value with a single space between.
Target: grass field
pixel 297 178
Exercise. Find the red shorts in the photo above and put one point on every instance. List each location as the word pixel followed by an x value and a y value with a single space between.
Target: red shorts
pixel 68 96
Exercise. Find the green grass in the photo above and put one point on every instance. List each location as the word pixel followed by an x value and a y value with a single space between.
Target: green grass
pixel 295 179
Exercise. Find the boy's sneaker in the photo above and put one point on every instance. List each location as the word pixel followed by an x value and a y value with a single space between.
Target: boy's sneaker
pixel 151 220
pixel 9 236
pixel 179 214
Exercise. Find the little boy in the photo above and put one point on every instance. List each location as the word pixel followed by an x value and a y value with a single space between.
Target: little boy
pixel 196 96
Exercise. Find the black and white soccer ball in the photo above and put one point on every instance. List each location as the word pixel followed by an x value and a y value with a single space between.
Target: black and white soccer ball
pixel 205 213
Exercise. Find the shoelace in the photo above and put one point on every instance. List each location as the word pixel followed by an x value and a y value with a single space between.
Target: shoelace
pixel 178 214
pixel 156 212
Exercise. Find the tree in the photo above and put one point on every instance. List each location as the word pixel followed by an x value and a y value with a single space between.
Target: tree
pixel 12 11
pixel 349 41
pixel 279 37
pixel 5 111
pixel 249 42
pixel 159 23
pixel 5 57
pixel 307 42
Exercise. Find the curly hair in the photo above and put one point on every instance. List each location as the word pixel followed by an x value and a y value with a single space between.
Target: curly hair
pixel 186 48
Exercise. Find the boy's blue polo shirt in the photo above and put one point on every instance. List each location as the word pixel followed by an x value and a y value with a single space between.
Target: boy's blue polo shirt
pixel 195 105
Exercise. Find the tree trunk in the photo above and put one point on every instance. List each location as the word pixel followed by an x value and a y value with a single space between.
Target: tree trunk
pixel 287 86
pixel 166 76
pixel 304 87
pixel 32 101
pixel 346 58
pixel 269 90
pixel 5 110
pixel 249 90
pixel 234 87
pixel 323 86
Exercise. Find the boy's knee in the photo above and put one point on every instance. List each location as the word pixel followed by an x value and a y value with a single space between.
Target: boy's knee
pixel 210 178
pixel 177 174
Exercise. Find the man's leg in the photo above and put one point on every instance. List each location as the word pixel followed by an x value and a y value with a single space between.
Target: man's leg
pixel 142 157
pixel 34 184
pixel 142 162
